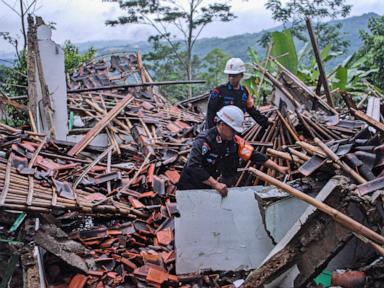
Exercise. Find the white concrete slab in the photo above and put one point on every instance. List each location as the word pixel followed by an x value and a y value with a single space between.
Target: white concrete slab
pixel 322 196
pixel 52 60
pixel 219 234
pixel 281 215
pixel 280 96
pixel 373 110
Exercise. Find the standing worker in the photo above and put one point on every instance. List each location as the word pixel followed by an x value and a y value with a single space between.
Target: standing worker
pixel 216 152
pixel 233 93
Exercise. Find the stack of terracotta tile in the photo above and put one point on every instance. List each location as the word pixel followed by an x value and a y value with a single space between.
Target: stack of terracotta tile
pixel 106 71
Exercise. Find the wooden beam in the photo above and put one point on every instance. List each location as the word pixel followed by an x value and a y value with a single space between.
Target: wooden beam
pixel 372 122
pixel 320 65
pixel 31 66
pixel 100 126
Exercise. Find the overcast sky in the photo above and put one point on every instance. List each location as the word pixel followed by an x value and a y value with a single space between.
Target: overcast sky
pixel 83 20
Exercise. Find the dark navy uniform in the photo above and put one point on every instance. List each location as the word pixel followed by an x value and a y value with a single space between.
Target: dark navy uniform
pixel 212 156
pixel 226 95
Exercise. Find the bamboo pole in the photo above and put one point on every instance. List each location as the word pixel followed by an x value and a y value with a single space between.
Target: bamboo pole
pixel 298 154
pixel 337 160
pixel 286 124
pixel 7 180
pixel 284 155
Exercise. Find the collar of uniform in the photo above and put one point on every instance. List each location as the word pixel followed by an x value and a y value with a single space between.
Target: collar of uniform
pixel 230 87
pixel 215 136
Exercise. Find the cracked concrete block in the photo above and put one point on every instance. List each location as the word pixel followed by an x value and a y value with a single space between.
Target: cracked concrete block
pixel 219 234
pixel 310 245
pixel 56 241
pixel 279 210
pixel 322 196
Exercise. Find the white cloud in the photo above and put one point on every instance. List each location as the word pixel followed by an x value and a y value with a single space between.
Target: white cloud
pixel 84 20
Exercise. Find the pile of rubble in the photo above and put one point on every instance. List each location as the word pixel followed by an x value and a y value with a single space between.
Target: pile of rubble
pixel 119 70
pixel 98 209
pixel 118 201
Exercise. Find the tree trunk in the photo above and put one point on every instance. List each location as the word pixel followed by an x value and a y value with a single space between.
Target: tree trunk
pixel 189 76
pixel 189 47
pixel 23 24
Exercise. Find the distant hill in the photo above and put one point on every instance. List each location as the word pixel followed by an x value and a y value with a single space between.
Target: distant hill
pixel 237 45
pixel 234 45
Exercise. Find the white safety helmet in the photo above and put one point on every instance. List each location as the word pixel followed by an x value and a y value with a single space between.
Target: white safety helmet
pixel 234 66
pixel 232 116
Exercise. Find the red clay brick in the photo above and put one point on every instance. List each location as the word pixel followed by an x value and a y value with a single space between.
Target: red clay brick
pixel 173 176
pixel 78 281
pixel 165 237
pixel 156 276
pixel 128 263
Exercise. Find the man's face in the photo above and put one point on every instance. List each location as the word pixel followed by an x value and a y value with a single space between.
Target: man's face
pixel 226 132
pixel 234 79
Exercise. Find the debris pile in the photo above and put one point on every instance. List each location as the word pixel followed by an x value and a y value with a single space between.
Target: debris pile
pixel 132 181
pixel 101 72
pixel 99 208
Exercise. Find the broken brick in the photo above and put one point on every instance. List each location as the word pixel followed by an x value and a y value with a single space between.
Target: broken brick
pixel 136 203
pixel 173 176
pixel 168 257
pixel 165 237
pixel 78 281
pixel 128 263
pixel 149 194
pixel 157 276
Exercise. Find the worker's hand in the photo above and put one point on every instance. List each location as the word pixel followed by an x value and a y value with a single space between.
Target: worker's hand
pixel 221 188
pixel 283 170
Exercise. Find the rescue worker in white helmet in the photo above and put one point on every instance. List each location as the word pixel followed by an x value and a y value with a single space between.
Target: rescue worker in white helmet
pixel 233 93
pixel 216 152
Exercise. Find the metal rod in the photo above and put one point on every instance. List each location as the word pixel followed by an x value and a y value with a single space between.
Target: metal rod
pixel 136 85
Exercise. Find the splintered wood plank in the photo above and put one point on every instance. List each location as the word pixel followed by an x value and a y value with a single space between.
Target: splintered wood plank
pixel 371 121
pixel 100 126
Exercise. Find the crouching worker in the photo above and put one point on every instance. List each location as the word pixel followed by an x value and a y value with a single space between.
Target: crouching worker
pixel 216 152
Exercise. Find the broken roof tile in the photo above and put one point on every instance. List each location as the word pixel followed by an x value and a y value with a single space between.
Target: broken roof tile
pixel 156 276
pixel 173 176
pixel 78 281
pixel 165 237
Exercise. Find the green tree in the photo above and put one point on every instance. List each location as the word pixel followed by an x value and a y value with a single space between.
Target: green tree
pixel 163 65
pixel 293 13
pixel 14 82
pixel 213 65
pixel 73 57
pixel 188 18
pixel 373 50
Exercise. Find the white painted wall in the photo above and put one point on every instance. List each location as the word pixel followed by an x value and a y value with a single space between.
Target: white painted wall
pixel 52 58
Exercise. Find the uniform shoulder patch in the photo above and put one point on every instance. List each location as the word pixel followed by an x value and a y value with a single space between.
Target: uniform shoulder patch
pixel 205 148
pixel 215 93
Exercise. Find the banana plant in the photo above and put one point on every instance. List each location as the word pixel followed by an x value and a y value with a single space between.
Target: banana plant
pixel 348 76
